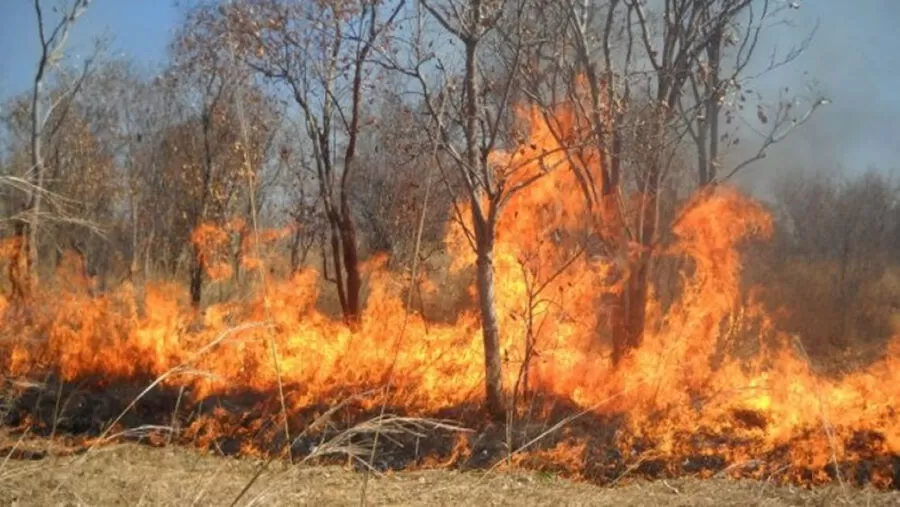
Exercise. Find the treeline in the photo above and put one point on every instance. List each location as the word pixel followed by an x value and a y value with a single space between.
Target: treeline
pixel 337 119
pixel 835 262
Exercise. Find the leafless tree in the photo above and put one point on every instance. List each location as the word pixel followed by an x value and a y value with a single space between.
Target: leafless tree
pixel 52 42
pixel 650 76
pixel 389 194
pixel 320 52
pixel 468 129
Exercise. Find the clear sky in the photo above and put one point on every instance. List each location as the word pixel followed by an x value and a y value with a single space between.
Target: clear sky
pixel 137 28
pixel 855 57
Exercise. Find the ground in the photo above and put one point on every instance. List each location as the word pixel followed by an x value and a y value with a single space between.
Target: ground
pixel 132 474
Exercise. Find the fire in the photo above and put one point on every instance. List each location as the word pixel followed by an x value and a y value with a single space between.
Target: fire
pixel 679 388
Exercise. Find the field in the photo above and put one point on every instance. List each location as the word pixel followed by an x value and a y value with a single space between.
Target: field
pixel 132 474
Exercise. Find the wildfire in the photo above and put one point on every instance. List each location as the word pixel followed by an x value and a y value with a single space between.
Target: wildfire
pixel 682 387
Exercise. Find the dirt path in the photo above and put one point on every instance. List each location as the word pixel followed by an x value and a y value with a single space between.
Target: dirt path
pixel 139 475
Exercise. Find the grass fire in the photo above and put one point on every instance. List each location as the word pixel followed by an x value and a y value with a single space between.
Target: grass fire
pixel 535 266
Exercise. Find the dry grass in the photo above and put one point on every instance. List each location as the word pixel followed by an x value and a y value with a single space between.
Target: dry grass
pixel 139 475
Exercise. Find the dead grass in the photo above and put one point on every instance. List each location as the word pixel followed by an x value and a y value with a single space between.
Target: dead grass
pixel 139 475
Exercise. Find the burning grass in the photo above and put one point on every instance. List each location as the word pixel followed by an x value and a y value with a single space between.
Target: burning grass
pixel 600 448
pixel 695 399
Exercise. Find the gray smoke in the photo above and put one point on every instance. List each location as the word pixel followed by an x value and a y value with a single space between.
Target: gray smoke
pixel 852 60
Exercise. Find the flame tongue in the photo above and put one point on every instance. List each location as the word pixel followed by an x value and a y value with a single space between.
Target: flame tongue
pixel 680 392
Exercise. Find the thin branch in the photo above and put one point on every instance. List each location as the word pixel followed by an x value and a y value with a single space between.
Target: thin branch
pixel 776 137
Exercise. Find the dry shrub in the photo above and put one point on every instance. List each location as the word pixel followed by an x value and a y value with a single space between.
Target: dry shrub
pixel 801 296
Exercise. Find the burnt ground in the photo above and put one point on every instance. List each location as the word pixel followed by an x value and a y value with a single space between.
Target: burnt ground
pixel 245 424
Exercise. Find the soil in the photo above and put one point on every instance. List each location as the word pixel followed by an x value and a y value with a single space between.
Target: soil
pixel 132 474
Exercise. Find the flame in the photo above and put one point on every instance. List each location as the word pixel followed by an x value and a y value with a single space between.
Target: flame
pixel 671 387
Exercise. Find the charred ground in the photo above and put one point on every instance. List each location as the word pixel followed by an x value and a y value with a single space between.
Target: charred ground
pixel 566 441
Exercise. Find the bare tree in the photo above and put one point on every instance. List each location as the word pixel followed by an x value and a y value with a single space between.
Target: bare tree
pixel 389 194
pixel 320 51
pixel 646 81
pixel 24 266
pixel 468 131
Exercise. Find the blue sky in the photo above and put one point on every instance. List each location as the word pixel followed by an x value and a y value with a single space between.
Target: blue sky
pixel 854 57
pixel 138 28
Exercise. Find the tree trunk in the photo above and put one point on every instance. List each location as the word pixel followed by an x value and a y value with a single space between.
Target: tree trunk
pixel 630 311
pixel 37 162
pixel 237 257
pixel 703 165
pixel 618 327
pixel 19 270
pixel 714 57
pixel 197 261
pixel 295 249
pixel 493 368
pixel 637 303
pixel 351 267
pixel 196 279
pixel 338 266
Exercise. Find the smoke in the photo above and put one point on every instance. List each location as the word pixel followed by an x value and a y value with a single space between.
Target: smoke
pixel 851 61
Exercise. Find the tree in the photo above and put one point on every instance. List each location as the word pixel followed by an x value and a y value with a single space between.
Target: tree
pixel 320 52
pixel 644 82
pixel 25 264
pixel 388 196
pixel 213 80
pixel 134 118
pixel 469 131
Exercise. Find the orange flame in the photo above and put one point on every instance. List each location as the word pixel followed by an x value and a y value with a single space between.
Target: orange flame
pixel 668 387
